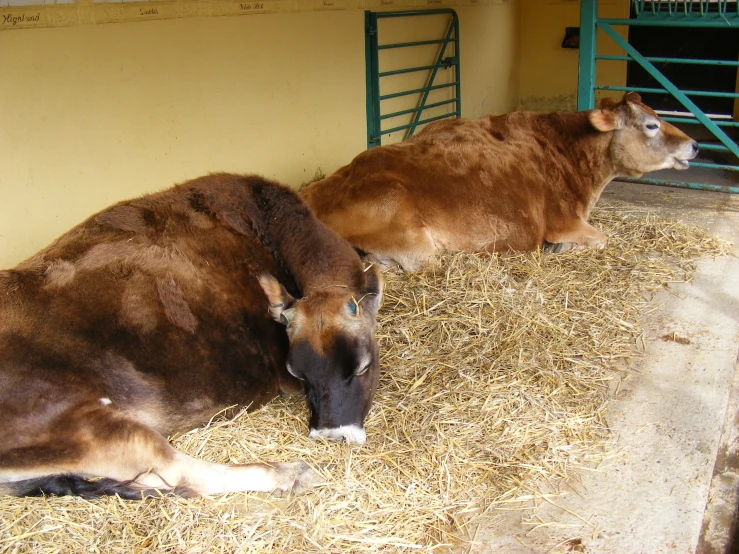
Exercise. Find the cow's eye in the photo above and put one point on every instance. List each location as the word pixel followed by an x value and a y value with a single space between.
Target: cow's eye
pixel 362 370
pixel 352 307
pixel 652 126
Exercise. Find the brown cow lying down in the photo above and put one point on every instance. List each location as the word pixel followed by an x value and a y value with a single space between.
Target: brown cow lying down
pixel 157 313
pixel 518 181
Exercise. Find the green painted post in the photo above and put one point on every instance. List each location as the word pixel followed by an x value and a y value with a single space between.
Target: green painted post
pixel 372 79
pixel 368 78
pixel 457 77
pixel 586 70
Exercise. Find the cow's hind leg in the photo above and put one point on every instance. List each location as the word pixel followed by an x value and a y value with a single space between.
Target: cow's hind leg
pixel 577 235
pixel 94 453
pixel 410 248
pixel 385 225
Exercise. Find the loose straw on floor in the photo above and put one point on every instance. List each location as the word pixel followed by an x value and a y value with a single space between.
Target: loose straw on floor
pixel 495 370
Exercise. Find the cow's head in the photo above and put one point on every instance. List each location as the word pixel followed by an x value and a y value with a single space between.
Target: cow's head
pixel 641 142
pixel 332 350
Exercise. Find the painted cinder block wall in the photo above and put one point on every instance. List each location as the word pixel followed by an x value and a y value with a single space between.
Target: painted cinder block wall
pixel 548 72
pixel 93 114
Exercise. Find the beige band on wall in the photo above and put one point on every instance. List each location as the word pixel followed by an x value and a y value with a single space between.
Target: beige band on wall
pixel 23 14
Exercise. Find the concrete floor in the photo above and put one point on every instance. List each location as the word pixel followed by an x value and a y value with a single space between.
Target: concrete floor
pixel 672 481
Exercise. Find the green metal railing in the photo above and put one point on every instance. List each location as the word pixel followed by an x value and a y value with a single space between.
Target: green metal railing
pixel 685 9
pixel 375 117
pixel 664 13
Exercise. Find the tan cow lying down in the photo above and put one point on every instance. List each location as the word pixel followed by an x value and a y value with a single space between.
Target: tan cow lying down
pixel 518 181
pixel 159 312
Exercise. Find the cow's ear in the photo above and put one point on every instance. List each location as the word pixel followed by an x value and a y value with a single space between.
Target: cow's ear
pixel 373 283
pixel 605 120
pixel 632 98
pixel 279 299
pixel 607 103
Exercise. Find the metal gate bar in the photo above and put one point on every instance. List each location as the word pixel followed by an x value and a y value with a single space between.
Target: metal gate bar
pixel 682 8
pixel 662 13
pixel 372 48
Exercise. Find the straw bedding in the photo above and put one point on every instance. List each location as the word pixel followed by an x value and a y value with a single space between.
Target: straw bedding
pixel 495 370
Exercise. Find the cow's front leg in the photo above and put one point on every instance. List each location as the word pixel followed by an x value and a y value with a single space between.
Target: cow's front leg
pixel 94 440
pixel 580 234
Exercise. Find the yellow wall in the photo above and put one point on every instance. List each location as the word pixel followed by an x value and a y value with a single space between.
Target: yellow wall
pixel 490 59
pixel 92 114
pixel 95 114
pixel 548 72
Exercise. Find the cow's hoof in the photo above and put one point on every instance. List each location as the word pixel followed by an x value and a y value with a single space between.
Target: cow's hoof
pixel 559 247
pixel 385 263
pixel 296 477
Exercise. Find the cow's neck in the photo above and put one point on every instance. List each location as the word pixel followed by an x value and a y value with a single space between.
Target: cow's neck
pixel 313 255
pixel 590 153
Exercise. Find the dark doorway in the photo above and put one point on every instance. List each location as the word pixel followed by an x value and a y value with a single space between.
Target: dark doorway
pixel 692 43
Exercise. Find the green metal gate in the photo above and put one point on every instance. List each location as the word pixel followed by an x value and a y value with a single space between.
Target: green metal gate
pixel 664 13
pixel 447 58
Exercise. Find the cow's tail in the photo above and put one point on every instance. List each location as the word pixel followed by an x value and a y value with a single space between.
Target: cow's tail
pixel 76 485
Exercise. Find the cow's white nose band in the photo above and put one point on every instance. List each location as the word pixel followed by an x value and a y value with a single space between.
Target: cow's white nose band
pixel 351 433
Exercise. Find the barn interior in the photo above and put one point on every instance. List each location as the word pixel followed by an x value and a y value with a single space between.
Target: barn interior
pixel 103 101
